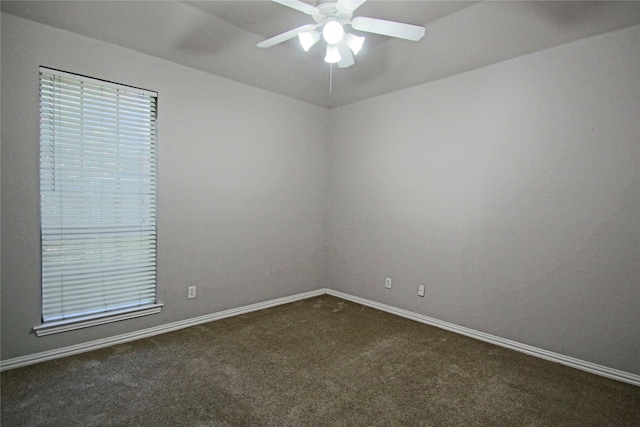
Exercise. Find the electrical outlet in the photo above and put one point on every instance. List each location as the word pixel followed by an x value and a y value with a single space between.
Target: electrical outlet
pixel 420 290
pixel 387 283
pixel 192 292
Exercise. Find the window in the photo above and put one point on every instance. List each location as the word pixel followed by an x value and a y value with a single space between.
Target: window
pixel 97 201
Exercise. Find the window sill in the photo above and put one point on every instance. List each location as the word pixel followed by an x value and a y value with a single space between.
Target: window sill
pixel 88 321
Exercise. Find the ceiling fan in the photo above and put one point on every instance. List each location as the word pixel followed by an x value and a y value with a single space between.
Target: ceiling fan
pixel 332 17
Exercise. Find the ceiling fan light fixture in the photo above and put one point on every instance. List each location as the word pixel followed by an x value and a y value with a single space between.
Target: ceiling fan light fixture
pixel 308 39
pixel 333 55
pixel 331 16
pixel 332 32
pixel 354 42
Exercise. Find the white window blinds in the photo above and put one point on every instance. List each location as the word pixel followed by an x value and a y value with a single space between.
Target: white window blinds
pixel 98 197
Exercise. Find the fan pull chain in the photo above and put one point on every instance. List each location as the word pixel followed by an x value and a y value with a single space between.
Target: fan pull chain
pixel 330 77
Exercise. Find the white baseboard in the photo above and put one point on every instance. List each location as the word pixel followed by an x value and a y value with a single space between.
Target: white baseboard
pixel 145 333
pixel 593 368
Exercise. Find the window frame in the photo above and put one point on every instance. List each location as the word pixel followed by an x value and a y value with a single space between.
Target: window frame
pixel 65 321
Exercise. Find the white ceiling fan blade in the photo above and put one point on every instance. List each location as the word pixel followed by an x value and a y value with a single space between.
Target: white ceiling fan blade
pixel 348 6
pixel 346 57
pixel 388 28
pixel 298 5
pixel 286 35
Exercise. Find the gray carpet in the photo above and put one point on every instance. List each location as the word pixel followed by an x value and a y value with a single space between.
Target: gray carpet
pixel 317 362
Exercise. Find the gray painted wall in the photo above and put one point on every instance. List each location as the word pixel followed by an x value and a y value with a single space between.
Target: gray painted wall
pixel 242 185
pixel 511 192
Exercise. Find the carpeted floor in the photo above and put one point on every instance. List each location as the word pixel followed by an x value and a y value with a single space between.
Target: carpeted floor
pixel 317 362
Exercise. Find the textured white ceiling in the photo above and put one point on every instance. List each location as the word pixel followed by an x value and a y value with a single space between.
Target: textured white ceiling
pixel 220 37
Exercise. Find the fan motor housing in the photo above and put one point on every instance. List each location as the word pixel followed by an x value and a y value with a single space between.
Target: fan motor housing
pixel 329 10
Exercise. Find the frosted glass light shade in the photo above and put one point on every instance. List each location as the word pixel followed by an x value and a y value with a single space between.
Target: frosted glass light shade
pixel 332 32
pixel 354 42
pixel 308 39
pixel 333 55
